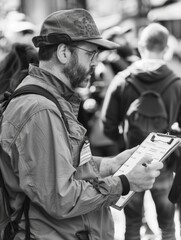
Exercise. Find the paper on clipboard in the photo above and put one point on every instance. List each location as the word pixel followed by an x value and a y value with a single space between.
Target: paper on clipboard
pixel 158 146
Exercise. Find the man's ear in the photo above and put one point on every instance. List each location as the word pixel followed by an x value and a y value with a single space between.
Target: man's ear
pixel 63 53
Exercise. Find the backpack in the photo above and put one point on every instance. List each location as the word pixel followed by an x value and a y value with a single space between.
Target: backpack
pixel 9 227
pixel 147 113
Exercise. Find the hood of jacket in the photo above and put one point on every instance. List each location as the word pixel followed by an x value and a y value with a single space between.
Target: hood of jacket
pixel 150 70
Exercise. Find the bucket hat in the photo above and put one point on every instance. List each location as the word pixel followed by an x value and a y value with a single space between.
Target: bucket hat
pixel 68 26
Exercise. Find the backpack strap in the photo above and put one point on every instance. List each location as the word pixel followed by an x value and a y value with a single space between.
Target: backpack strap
pixel 35 89
pixel 27 89
pixel 12 226
pixel 5 194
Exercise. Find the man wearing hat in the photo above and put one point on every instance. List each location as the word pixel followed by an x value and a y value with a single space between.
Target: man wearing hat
pixel 70 191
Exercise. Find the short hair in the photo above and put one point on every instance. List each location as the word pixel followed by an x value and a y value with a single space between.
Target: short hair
pixel 154 37
pixel 46 52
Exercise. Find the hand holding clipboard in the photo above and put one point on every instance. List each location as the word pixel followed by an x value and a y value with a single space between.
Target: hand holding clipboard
pixel 158 147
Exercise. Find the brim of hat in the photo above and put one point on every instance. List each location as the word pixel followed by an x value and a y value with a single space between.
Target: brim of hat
pixel 103 43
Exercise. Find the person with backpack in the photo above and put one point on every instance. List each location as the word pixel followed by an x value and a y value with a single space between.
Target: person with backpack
pixel 55 187
pixel 145 98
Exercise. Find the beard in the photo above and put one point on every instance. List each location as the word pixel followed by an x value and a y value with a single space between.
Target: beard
pixel 76 73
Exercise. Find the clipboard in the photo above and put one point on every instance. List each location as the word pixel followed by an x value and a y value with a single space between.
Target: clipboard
pixel 159 146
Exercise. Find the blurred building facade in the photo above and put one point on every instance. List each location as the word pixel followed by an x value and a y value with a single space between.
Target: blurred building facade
pixel 136 10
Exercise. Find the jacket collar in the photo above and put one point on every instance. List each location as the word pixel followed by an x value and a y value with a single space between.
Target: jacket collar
pixel 59 87
pixel 52 80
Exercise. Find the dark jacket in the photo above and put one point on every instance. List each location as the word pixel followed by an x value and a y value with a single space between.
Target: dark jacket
pixel 121 94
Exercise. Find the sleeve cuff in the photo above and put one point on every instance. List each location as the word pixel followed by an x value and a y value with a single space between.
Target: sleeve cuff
pixel 125 184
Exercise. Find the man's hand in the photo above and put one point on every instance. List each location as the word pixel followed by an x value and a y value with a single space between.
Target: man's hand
pixel 120 159
pixel 142 176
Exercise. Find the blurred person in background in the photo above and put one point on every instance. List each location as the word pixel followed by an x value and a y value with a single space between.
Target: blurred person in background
pixel 17 50
pixel 14 66
pixel 47 155
pixel 149 73
pixel 16 28
pixel 120 58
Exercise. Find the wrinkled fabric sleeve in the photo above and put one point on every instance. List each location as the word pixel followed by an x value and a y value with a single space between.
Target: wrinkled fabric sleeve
pixel 46 170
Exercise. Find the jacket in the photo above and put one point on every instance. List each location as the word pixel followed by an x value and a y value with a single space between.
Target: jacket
pixel 53 167
pixel 121 94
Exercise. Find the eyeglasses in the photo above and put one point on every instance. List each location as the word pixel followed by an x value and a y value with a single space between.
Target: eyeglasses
pixel 93 53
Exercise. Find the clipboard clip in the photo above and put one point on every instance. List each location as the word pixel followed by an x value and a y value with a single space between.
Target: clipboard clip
pixel 165 138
